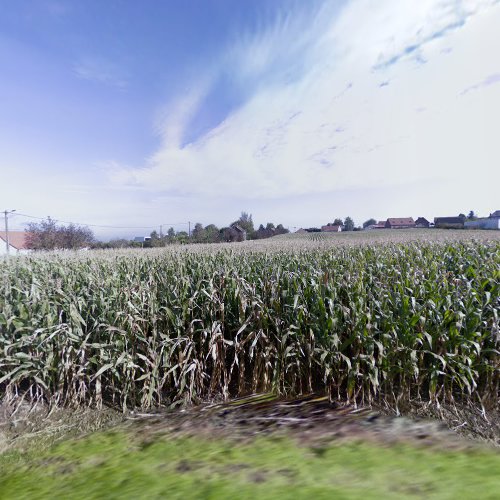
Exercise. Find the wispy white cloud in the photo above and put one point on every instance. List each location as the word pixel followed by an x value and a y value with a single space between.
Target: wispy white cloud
pixel 357 109
pixel 388 31
pixel 489 80
pixel 173 119
pixel 101 70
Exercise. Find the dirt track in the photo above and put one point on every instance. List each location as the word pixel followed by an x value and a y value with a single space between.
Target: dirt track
pixel 311 419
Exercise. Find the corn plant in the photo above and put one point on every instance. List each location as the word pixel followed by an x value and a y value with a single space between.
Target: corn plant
pixel 360 319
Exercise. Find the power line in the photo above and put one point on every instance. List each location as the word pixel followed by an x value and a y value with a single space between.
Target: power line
pixel 104 226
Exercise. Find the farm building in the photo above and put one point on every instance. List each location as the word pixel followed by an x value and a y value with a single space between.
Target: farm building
pixel 241 234
pixel 485 223
pixel 401 223
pixel 422 222
pixel 449 222
pixel 142 239
pixel 379 225
pixel 17 243
pixel 491 222
pixel 330 228
pixel 301 231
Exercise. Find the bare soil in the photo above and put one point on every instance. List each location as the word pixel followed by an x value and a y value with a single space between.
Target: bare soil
pixel 312 420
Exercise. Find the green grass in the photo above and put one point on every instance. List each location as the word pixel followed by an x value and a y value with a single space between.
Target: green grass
pixel 118 465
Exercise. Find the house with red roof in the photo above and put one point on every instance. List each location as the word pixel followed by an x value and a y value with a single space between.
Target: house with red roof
pixel 17 243
pixel 401 223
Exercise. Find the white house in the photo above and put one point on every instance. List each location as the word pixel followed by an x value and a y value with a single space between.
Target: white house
pixel 491 222
pixel 17 243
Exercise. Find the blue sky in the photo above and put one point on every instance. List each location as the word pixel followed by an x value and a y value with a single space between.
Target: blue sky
pixel 136 114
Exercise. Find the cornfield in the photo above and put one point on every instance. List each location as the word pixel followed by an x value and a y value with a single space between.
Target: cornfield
pixel 365 322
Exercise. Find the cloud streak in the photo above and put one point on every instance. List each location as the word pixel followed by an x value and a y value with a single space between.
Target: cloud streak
pixel 320 115
pixel 101 70
pixel 490 80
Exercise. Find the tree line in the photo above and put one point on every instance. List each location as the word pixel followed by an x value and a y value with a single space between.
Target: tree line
pixel 48 235
pixel 347 225
pixel 242 228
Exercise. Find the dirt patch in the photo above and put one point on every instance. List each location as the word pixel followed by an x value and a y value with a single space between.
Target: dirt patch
pixel 187 466
pixel 258 476
pixel 313 420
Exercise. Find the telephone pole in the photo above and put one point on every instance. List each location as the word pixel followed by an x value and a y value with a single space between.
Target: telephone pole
pixel 161 231
pixel 6 219
pixel 189 230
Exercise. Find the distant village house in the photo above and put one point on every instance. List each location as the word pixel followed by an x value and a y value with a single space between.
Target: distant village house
pixel 331 228
pixel 449 222
pixel 379 225
pixel 422 222
pixel 240 233
pixel 402 223
pixel 491 222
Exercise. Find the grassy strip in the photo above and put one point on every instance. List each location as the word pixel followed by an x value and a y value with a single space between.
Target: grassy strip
pixel 117 465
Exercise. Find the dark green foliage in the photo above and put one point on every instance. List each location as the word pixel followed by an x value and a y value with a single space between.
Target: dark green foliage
pixel 369 222
pixel 348 224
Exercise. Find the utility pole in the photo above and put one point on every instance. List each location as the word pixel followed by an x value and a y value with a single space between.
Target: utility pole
pixel 189 230
pixel 161 231
pixel 6 218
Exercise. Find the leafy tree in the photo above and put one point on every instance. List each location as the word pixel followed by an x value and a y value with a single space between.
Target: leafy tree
pixel 270 230
pixel 42 235
pixel 115 243
pixel 198 233
pixel 348 224
pixel 182 237
pixel 47 235
pixel 337 222
pixel 261 233
pixel 369 222
pixel 156 240
pixel 212 233
pixel 472 215
pixel 118 243
pixel 245 222
pixel 74 237
pixel 170 238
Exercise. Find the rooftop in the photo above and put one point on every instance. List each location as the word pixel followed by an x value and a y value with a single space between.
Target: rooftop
pixel 17 239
